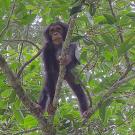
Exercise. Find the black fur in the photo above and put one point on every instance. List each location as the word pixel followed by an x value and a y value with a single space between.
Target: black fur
pixel 52 71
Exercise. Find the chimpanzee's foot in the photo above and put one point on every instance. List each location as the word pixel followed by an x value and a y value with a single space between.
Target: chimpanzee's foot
pixel 86 113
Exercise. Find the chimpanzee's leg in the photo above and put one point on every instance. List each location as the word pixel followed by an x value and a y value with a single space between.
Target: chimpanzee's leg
pixel 47 93
pixel 83 102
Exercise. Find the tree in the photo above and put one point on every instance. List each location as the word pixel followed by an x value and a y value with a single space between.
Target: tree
pixel 104 31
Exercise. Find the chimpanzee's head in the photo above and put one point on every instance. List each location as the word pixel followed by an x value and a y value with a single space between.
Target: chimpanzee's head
pixel 56 33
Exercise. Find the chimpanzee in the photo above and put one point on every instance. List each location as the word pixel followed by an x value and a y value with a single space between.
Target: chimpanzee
pixel 55 35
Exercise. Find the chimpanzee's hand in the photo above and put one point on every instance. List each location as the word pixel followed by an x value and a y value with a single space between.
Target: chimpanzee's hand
pixel 50 109
pixel 65 60
pixel 38 108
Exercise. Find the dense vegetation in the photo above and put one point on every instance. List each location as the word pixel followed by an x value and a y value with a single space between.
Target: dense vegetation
pixel 105 33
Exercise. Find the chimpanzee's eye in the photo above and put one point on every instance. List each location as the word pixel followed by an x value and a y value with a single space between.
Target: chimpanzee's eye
pixel 51 31
pixel 59 29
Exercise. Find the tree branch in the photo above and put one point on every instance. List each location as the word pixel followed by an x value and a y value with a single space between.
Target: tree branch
pixel 27 63
pixel 23 40
pixel 29 104
pixel 63 53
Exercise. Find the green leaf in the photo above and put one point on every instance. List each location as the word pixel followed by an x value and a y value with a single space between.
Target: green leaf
pixel 131 14
pixel 133 124
pixel 110 19
pixel 32 67
pixel 76 9
pixel 127 44
pixel 5 3
pixel 18 115
pixel 108 39
pixel 30 7
pixel 75 1
pixel 102 110
pixel 76 38
pixel 3 104
pixel 108 55
pixel 30 121
pixel 120 101
pixel 100 20
pixel 2 111
pixel 12 97
pixel 6 93
pixel 84 56
pixel 27 19
pixel 92 9
pixel 20 10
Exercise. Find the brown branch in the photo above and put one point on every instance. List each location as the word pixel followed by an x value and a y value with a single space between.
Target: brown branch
pixel 22 45
pixel 125 95
pixel 29 104
pixel 129 68
pixel 27 63
pixel 23 40
pixel 63 53
pixel 8 22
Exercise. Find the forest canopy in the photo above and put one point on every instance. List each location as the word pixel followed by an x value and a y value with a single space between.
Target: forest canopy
pixel 104 31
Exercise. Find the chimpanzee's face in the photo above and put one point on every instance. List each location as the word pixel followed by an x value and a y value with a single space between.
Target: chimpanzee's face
pixel 56 32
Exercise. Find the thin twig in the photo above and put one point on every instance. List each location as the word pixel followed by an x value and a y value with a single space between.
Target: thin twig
pixel 27 63
pixel 64 51
pixel 8 22
pixel 23 40
pixel 119 30
pixel 22 45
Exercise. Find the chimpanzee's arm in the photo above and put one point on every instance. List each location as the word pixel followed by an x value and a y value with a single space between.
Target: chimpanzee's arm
pixel 48 58
pixel 71 53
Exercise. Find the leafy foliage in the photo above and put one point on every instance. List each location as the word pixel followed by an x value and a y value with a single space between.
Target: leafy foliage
pixel 103 39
